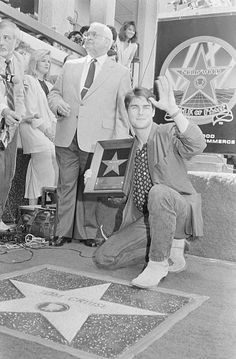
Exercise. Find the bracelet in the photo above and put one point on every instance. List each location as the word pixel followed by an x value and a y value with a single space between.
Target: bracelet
pixel 175 113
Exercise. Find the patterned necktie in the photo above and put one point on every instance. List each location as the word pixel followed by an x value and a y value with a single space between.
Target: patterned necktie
pixel 9 87
pixel 89 78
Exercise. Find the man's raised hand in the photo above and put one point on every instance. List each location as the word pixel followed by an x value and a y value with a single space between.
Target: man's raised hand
pixel 166 96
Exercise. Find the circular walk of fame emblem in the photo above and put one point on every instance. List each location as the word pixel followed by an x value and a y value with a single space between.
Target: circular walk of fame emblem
pixel 203 75
pixel 53 307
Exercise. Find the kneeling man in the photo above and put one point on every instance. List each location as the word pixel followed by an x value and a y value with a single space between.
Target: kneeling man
pixel 162 207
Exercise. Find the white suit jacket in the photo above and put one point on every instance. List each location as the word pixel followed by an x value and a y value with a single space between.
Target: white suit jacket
pixel 101 115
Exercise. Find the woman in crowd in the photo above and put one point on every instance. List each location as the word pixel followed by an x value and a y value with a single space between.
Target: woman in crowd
pixel 38 130
pixel 127 43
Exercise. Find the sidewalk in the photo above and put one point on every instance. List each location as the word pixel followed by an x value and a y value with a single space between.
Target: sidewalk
pixel 207 332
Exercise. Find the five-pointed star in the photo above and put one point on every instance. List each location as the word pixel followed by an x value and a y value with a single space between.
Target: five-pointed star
pixel 200 78
pixel 113 164
pixel 67 310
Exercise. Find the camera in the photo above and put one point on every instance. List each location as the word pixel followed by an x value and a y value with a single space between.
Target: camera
pixel 10 78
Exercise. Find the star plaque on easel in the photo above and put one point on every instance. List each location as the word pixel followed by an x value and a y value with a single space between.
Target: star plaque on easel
pixel 111 168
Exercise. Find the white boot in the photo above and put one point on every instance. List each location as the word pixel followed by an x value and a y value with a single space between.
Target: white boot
pixel 152 274
pixel 3 227
pixel 177 261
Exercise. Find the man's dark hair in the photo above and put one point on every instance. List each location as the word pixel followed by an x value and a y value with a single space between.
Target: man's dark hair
pixel 84 28
pixel 74 33
pixel 112 52
pixel 45 39
pixel 114 32
pixel 138 92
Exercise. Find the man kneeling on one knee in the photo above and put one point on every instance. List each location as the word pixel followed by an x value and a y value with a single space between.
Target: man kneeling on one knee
pixel 162 207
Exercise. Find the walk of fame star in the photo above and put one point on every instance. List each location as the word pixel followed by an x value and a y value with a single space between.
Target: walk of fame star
pixel 87 316
pixel 62 307
pixel 200 78
pixel 113 164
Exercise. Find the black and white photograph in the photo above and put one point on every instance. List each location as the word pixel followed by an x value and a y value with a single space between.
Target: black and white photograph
pixel 117 179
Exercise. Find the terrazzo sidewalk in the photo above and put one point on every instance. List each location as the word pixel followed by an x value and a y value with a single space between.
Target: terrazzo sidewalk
pixel 206 331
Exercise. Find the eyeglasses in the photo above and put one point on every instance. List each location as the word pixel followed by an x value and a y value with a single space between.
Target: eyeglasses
pixel 93 35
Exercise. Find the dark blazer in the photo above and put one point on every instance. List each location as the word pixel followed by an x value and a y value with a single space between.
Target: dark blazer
pixel 168 150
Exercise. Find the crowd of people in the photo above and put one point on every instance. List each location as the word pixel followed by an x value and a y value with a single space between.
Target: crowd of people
pixel 59 126
pixel 124 46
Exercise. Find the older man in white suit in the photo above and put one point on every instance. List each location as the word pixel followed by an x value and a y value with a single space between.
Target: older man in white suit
pixel 88 99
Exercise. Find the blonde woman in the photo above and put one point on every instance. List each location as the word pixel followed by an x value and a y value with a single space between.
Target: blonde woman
pixel 37 132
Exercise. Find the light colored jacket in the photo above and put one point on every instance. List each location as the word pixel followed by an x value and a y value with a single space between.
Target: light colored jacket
pixel 101 115
pixel 17 69
pixel 32 135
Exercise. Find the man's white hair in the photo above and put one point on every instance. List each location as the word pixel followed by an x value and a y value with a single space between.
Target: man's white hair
pixel 8 23
pixel 107 32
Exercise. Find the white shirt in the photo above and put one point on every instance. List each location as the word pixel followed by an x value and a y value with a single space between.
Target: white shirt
pixel 126 53
pixel 98 67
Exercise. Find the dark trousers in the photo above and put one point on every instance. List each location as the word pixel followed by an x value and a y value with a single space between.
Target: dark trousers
pixel 76 216
pixel 7 170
